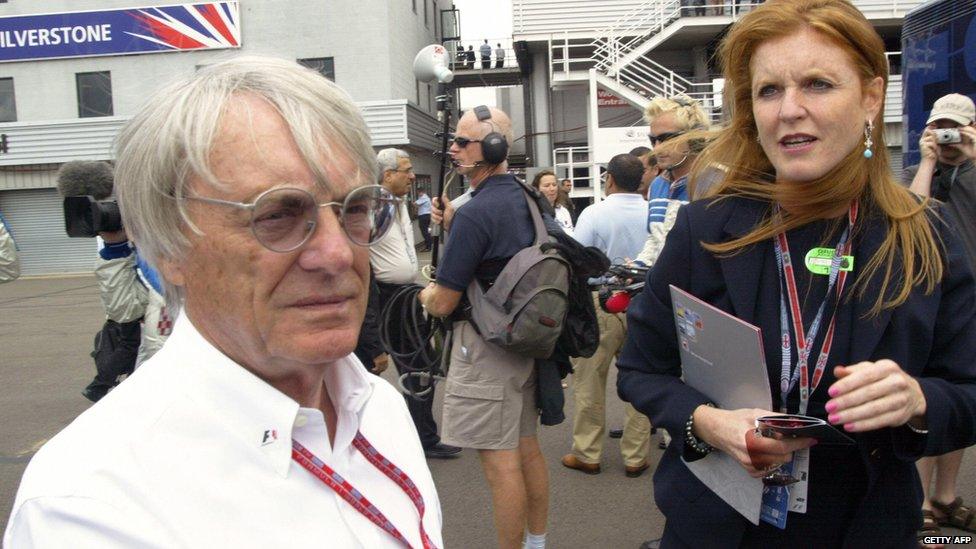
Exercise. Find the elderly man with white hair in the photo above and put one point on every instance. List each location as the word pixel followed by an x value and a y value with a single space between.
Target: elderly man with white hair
pixel 394 262
pixel 250 186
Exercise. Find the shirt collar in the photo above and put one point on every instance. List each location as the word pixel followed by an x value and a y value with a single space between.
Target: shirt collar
pixel 260 415
pixel 629 197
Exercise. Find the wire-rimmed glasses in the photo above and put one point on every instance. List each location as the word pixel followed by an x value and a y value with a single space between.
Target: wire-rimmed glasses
pixel 284 218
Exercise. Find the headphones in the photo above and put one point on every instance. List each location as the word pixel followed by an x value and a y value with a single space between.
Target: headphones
pixel 494 146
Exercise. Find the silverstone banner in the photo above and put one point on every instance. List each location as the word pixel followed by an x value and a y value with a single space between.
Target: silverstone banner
pixel 183 27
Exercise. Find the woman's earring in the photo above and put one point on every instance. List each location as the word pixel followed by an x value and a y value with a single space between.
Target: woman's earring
pixel 868 143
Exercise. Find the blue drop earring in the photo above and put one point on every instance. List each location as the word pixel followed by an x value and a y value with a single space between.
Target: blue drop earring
pixel 868 143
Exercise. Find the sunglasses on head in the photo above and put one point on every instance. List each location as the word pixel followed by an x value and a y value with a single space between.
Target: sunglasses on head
pixel 463 142
pixel 662 137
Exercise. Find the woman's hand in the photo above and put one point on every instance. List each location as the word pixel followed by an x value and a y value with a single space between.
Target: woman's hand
pixel 730 431
pixel 873 395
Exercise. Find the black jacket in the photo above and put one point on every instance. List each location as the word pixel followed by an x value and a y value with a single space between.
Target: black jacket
pixel 932 337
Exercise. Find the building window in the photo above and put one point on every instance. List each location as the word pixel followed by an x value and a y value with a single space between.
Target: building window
pixel 322 65
pixel 426 23
pixel 94 94
pixel 8 103
pixel 433 4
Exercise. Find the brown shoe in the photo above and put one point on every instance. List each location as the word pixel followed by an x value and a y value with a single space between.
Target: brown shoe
pixel 571 461
pixel 636 470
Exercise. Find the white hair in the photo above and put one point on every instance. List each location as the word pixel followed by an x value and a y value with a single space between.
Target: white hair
pixel 389 159
pixel 171 138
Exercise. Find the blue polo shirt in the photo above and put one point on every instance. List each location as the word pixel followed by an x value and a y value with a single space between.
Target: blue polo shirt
pixel 663 192
pixel 486 232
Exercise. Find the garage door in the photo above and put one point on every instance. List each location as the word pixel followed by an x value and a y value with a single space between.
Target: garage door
pixel 36 220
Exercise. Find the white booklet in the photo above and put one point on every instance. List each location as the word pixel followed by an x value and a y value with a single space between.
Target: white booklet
pixel 722 358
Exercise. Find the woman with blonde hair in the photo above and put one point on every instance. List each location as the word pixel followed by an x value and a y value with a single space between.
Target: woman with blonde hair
pixel 865 301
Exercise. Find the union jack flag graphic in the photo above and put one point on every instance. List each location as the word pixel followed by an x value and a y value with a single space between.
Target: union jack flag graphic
pixel 191 26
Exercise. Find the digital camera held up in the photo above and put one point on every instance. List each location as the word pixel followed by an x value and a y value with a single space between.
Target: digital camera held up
pixel 947 136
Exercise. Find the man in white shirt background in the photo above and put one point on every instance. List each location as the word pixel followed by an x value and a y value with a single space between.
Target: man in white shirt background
pixel 423 217
pixel 394 261
pixel 616 226
pixel 249 185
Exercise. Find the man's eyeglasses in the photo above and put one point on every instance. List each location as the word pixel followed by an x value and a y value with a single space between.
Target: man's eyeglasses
pixel 404 170
pixel 662 137
pixel 463 142
pixel 284 219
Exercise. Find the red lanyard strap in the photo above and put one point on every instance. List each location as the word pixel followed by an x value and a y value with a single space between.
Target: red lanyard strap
pixel 354 497
pixel 789 376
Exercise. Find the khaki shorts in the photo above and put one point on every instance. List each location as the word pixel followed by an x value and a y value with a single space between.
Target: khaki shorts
pixel 489 397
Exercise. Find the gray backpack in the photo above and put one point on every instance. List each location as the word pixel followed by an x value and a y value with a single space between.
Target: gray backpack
pixel 524 310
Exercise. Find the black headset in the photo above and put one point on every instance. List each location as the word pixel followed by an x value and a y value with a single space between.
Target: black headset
pixel 494 146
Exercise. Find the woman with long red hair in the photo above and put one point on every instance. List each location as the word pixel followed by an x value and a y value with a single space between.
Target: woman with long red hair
pixel 878 340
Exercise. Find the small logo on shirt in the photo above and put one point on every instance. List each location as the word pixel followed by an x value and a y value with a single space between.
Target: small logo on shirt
pixel 270 436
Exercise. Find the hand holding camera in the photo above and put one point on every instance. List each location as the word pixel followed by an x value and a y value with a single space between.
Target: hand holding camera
pixel 962 138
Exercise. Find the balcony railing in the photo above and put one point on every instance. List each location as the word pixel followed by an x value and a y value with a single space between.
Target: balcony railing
pixel 533 19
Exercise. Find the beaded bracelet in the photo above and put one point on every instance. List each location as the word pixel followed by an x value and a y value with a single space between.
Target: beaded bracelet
pixel 691 440
pixel 916 430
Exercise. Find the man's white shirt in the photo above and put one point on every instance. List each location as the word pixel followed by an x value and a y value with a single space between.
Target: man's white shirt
pixel 394 258
pixel 195 451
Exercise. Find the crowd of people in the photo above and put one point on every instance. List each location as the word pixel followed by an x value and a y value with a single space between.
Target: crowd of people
pixel 278 233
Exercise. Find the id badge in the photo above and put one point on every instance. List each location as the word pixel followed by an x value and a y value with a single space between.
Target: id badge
pixel 776 501
pixel 798 491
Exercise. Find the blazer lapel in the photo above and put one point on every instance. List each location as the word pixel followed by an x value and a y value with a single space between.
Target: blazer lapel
pixel 742 270
pixel 869 329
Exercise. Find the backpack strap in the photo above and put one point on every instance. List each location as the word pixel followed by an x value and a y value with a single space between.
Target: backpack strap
pixel 541 234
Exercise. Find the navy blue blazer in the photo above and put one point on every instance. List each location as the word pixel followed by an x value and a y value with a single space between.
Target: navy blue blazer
pixel 932 337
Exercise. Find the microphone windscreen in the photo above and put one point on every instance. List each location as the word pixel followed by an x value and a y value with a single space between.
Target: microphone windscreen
pixel 618 302
pixel 86 178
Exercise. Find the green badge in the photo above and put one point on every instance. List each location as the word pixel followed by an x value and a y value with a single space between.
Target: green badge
pixel 818 261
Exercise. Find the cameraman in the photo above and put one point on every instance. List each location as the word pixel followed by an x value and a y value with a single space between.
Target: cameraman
pixel 9 264
pixel 136 319
pixel 946 173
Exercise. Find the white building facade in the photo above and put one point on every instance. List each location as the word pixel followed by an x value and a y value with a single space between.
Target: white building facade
pixel 73 71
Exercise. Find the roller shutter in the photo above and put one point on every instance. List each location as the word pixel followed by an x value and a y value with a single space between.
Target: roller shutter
pixel 37 222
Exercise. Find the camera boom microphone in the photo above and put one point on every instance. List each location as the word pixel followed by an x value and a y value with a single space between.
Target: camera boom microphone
pixel 431 64
pixel 86 178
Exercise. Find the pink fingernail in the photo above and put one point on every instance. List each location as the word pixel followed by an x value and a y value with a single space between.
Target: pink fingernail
pixel 832 391
pixel 849 427
pixel 831 407
pixel 833 418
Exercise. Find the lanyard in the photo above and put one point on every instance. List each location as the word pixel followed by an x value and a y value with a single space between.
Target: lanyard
pixel 789 376
pixel 354 497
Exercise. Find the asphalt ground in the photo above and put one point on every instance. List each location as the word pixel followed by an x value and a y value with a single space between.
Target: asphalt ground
pixel 46 331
